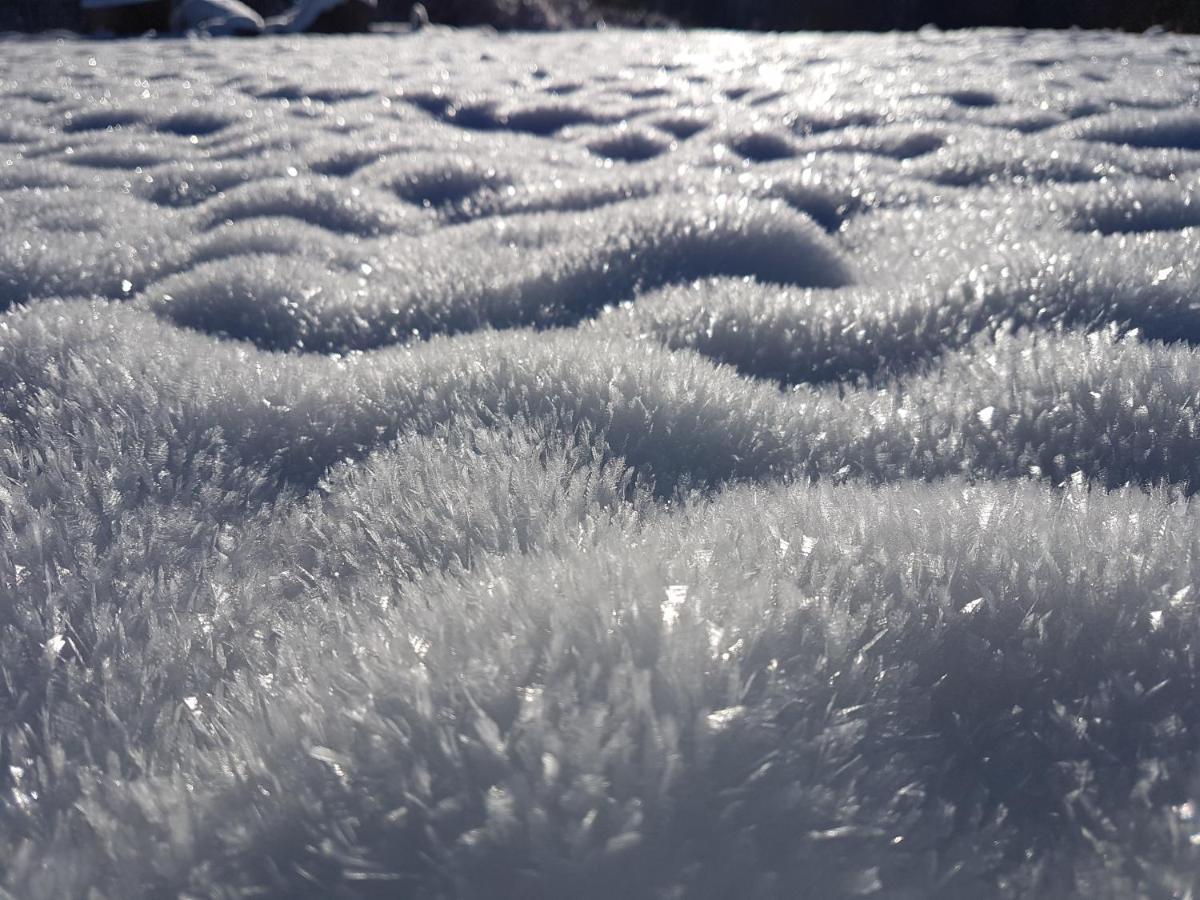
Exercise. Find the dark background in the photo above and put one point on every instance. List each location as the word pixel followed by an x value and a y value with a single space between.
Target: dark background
pixel 875 15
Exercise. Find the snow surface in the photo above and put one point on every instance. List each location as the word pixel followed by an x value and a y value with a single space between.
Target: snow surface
pixel 250 290
pixel 459 180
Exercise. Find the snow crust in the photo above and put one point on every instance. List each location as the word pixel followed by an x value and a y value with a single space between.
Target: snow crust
pixel 362 399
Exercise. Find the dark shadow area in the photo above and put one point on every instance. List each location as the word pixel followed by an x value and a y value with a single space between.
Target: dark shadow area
pixel 775 15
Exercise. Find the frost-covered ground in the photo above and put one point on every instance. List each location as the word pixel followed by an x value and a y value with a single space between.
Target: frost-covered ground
pixel 600 465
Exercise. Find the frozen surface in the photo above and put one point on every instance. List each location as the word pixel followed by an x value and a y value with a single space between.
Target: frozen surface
pixel 450 181
pixel 604 464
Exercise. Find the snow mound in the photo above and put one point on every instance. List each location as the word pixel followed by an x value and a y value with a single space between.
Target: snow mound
pixel 1177 129
pixel 316 201
pixel 551 269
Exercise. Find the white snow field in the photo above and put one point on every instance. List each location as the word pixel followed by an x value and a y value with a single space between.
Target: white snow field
pixel 595 465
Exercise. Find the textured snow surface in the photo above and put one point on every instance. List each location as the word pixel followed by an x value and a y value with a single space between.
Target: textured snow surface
pixel 442 183
pixel 402 353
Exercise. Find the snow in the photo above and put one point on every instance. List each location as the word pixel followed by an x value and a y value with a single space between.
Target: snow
pixel 806 209
pixel 454 181
pixel 448 355
pixel 462 180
